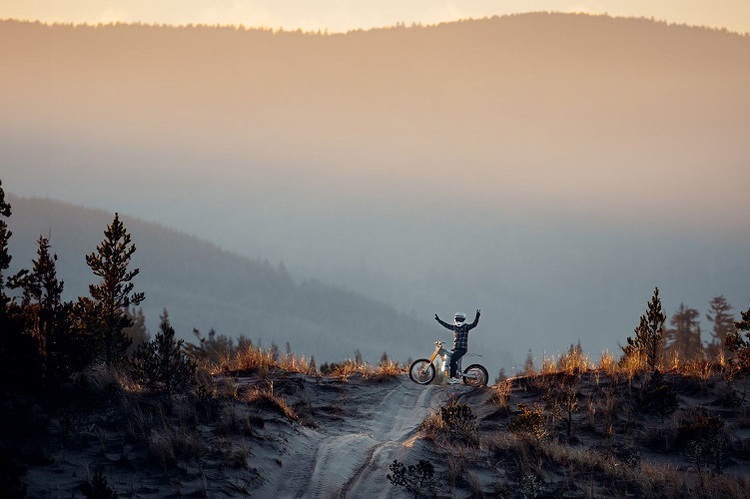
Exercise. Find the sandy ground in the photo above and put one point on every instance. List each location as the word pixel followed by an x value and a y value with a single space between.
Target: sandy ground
pixel 358 428
pixel 347 434
pixel 350 458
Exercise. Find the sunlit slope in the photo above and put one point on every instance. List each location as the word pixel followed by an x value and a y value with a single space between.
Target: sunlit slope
pixel 567 110
pixel 205 287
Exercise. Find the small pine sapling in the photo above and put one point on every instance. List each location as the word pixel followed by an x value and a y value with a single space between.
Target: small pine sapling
pixel 649 335
pixel 162 364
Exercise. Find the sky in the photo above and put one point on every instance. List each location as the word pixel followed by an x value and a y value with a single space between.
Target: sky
pixel 566 240
pixel 345 15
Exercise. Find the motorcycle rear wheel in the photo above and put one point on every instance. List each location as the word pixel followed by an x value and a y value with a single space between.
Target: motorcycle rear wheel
pixel 422 371
pixel 478 376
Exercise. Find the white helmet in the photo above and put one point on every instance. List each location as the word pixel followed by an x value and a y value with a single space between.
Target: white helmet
pixel 459 317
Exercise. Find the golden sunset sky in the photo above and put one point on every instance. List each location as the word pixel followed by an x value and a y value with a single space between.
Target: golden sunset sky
pixel 344 15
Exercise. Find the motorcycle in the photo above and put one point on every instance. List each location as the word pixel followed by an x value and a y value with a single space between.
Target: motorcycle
pixel 422 371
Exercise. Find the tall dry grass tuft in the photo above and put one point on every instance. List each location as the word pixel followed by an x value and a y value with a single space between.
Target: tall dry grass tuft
pixel 265 363
pixel 264 397
pixel 501 394
pixel 574 361
pixel 253 359
pixel 293 364
pixel 344 370
pixel 166 445
pixel 102 381
pixel 631 366
pixel 671 483
pixel 356 367
pixel 388 369
pixel 607 363
pixel 549 365
pixel 699 371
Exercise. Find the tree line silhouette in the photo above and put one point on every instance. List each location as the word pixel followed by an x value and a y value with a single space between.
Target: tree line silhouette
pixel 45 339
pixel 654 344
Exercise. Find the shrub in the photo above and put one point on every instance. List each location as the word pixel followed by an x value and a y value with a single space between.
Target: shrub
pixel 563 400
pixel 703 440
pixel 455 423
pixel 657 397
pixel 413 477
pixel 532 422
pixel 97 487
pixel 531 485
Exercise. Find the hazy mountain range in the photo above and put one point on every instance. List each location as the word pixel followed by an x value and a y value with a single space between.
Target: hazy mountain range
pixel 204 287
pixel 550 169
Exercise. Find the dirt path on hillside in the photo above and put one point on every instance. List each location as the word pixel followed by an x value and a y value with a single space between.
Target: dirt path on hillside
pixel 350 457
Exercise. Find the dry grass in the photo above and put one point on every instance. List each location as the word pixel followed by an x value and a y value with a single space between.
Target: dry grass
pixel 168 444
pixel 354 368
pixel 607 363
pixel 267 363
pixel 501 395
pixel 624 445
pixel 264 397
pixel 453 424
pixel 549 365
pixel 603 472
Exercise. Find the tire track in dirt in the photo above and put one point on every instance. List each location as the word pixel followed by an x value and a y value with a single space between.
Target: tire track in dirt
pixel 350 457
pixel 403 409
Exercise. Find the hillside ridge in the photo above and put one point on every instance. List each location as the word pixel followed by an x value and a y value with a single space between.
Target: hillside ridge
pixel 205 287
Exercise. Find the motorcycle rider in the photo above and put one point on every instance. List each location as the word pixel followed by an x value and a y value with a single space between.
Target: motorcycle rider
pixel 460 339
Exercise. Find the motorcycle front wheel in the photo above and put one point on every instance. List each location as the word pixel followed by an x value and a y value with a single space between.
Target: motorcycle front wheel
pixel 476 375
pixel 422 371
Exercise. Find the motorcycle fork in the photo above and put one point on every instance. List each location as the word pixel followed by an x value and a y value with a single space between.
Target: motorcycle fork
pixel 433 357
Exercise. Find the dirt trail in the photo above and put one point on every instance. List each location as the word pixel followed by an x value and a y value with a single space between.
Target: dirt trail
pixel 350 457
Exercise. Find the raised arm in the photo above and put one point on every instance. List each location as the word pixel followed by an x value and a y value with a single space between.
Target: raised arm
pixel 443 323
pixel 476 320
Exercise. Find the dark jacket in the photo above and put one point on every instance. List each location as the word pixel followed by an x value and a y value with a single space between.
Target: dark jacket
pixel 460 331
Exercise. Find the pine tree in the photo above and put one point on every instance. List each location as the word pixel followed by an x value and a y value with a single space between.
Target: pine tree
pixel 313 370
pixel 685 339
pixel 20 363
pixel 528 365
pixel 138 333
pixel 162 364
pixel 5 233
pixel 44 315
pixel 649 335
pixel 384 360
pixel 42 295
pixel 738 345
pixel 114 294
pixel 721 315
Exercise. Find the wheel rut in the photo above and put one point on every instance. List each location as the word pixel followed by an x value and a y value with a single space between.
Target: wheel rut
pixel 351 457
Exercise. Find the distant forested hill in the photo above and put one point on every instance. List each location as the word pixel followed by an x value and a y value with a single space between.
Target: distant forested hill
pixel 551 169
pixel 204 287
